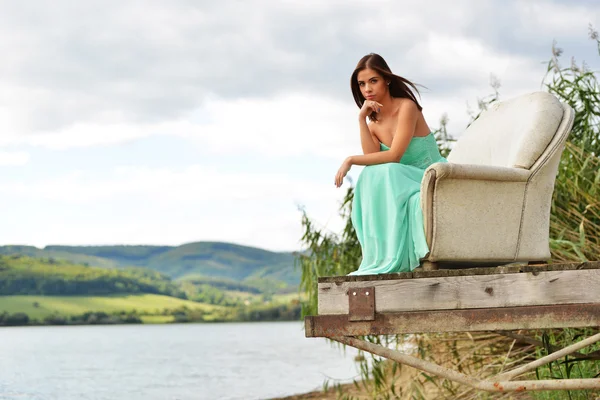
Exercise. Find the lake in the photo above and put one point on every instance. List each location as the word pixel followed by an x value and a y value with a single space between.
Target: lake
pixel 166 362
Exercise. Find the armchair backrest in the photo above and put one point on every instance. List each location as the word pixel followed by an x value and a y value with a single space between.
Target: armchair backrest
pixel 512 133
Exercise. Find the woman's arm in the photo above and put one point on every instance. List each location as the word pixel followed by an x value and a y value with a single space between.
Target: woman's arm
pixel 405 129
pixel 368 141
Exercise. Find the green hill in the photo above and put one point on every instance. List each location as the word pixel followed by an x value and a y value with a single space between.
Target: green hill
pixel 118 255
pixel 57 292
pixel 209 259
pixel 21 275
pixel 225 260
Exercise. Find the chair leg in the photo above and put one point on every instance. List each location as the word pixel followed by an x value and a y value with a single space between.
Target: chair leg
pixel 429 266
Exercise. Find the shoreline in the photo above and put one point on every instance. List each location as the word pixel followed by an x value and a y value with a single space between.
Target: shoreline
pixel 330 394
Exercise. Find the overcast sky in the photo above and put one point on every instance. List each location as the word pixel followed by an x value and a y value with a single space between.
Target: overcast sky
pixel 167 122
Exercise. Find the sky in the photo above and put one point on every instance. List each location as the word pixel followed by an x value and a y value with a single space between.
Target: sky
pixel 169 122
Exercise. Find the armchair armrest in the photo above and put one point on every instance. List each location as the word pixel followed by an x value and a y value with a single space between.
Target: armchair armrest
pixel 472 212
pixel 478 172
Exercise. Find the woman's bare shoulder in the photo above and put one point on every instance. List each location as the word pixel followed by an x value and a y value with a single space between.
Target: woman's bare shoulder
pixel 409 111
pixel 406 104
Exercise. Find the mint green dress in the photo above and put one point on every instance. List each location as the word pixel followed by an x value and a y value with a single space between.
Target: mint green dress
pixel 386 210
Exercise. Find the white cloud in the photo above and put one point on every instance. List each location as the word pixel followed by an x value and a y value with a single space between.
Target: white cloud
pixel 457 57
pixel 170 206
pixel 114 62
pixel 14 158
pixel 549 19
pixel 294 124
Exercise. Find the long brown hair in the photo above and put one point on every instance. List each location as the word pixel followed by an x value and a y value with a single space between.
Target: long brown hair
pixel 399 86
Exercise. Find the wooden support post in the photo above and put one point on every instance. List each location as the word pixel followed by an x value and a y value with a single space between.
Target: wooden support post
pixel 494 384
pixel 549 358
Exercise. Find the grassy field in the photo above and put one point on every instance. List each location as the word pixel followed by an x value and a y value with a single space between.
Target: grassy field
pixel 277 298
pixel 38 307
pixel 157 319
pixel 286 298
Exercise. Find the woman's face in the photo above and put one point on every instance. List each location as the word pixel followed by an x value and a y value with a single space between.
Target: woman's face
pixel 371 84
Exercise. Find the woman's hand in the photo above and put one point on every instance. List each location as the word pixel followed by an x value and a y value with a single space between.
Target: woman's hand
pixel 339 177
pixel 368 107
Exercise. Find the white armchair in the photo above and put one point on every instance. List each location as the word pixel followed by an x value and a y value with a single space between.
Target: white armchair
pixel 491 202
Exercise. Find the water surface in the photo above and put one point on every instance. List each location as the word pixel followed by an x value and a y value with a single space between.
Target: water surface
pixel 175 361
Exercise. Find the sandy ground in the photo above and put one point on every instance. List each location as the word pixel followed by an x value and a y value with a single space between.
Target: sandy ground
pixel 351 390
pixel 329 395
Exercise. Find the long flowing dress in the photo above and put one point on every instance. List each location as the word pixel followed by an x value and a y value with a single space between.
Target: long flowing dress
pixel 386 210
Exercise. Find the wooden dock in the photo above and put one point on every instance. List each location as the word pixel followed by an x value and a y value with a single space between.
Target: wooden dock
pixel 503 298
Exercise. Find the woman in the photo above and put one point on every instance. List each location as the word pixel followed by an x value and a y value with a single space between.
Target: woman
pixel 398 146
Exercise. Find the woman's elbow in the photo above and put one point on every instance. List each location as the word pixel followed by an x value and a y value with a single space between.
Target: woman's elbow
pixel 395 158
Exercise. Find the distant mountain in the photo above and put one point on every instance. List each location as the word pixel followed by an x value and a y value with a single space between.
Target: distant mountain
pixel 209 259
pixel 79 258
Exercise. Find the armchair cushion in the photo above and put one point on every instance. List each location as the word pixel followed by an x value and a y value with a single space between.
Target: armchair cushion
pixel 512 133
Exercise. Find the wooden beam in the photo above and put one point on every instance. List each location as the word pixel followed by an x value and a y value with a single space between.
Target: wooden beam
pixel 555 287
pixel 510 318
pixel 473 269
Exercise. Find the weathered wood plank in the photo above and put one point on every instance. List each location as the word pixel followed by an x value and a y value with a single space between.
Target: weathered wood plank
pixel 419 273
pixel 511 318
pixel 465 292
